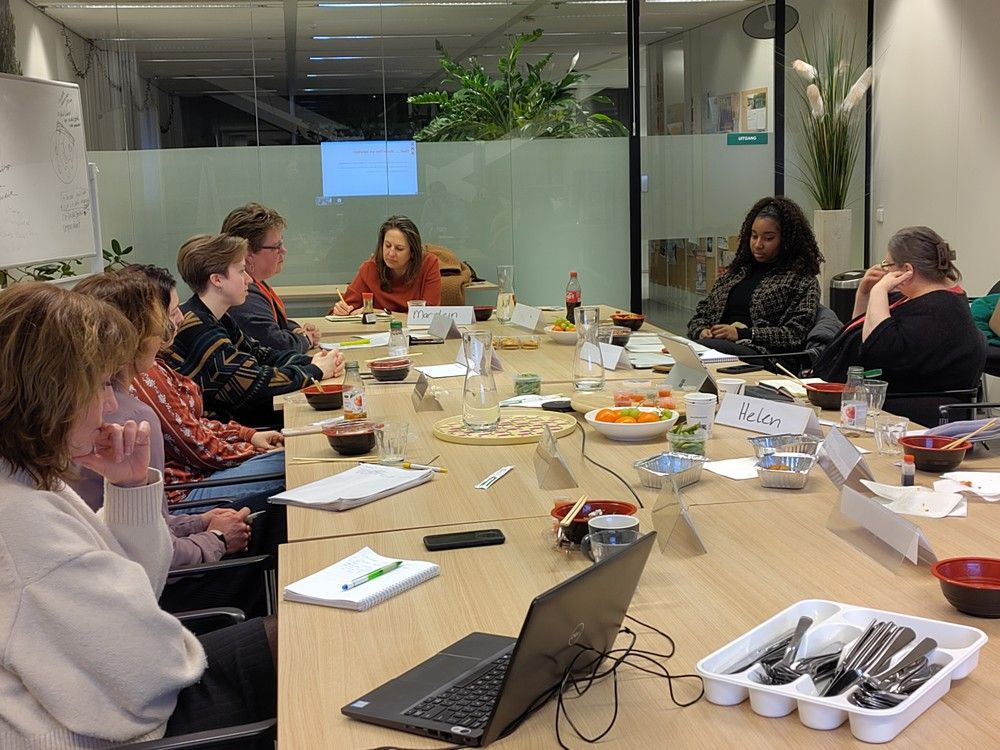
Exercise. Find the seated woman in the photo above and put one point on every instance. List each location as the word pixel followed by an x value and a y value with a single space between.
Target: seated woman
pixel 400 270
pixel 90 659
pixel 986 314
pixel 924 340
pixel 767 300
pixel 239 377
pixel 263 315
pixel 195 538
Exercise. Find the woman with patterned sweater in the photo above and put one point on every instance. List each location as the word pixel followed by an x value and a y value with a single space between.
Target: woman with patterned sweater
pixel 239 377
pixel 769 296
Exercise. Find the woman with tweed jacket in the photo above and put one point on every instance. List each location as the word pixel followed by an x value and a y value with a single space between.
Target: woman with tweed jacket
pixel 768 298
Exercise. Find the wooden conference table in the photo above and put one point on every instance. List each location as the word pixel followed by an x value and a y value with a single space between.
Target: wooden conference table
pixel 766 550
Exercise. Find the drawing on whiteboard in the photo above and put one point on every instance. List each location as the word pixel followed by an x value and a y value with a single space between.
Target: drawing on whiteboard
pixel 63 161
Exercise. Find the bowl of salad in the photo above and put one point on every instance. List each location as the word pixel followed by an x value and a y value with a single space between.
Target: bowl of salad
pixel 632 423
pixel 562 331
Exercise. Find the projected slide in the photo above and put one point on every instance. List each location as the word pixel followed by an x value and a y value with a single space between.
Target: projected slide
pixel 356 168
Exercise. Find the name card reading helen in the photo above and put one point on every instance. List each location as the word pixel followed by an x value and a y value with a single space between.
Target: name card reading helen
pixel 422 316
pixel 766 417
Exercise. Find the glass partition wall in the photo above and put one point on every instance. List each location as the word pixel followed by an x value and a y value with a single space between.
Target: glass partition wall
pixel 194 108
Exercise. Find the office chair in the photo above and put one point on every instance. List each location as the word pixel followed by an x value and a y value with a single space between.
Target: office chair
pixel 923 407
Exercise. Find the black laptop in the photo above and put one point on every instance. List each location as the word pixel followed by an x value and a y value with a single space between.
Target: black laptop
pixel 481 687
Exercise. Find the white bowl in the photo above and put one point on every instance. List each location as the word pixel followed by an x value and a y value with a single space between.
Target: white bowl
pixel 632 431
pixel 561 337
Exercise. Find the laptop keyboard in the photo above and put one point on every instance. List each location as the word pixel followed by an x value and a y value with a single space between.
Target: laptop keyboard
pixel 468 703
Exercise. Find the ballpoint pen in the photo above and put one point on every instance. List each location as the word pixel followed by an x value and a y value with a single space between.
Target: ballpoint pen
pixel 372 575
pixel 439 469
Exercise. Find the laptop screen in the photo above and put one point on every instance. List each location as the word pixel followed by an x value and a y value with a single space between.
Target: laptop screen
pixel 577 619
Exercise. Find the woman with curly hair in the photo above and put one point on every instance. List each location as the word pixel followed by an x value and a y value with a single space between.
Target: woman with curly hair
pixel 768 298
pixel 399 270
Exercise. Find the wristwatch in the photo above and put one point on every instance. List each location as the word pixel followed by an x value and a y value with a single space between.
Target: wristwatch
pixel 222 537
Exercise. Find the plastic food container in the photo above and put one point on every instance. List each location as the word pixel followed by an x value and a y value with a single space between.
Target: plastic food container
pixel 792 476
pixel 656 471
pixel 764 445
pixel 528 383
pixel 957 653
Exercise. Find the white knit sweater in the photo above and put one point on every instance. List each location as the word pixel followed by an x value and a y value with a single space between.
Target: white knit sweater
pixel 89 658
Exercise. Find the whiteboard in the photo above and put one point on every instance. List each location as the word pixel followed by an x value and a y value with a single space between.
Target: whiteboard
pixel 46 210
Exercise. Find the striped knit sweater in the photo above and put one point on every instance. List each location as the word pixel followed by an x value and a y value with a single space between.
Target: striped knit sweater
pixel 234 370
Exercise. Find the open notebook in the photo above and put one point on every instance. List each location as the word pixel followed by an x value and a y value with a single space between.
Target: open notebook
pixel 354 487
pixel 327 586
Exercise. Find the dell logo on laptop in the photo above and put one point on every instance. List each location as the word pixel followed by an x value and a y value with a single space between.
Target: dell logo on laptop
pixel 575 635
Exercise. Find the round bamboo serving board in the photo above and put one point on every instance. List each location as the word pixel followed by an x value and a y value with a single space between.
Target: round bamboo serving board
pixel 514 428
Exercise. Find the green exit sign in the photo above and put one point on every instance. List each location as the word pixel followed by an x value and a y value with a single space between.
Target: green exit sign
pixel 746 139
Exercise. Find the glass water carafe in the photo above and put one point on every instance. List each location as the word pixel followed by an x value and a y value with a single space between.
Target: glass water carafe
pixel 480 400
pixel 588 369
pixel 505 294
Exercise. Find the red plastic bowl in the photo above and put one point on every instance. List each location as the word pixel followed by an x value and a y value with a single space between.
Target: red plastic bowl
pixel 482 312
pixel 578 527
pixel 970 584
pixel 825 395
pixel 324 398
pixel 928 454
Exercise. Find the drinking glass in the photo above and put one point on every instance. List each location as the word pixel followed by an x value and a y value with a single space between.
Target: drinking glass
pixel 391 440
pixel 876 396
pixel 505 294
pixel 888 430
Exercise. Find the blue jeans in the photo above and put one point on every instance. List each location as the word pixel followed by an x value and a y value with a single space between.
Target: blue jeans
pixel 253 495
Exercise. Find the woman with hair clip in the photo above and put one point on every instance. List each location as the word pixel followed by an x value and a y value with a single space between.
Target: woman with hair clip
pixel 912 321
pixel 767 300
pixel 89 658
pixel 399 270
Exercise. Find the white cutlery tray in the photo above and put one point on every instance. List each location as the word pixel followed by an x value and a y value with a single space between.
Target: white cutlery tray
pixel 957 652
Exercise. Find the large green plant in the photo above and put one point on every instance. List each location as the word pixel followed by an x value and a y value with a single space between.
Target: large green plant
pixel 832 122
pixel 516 104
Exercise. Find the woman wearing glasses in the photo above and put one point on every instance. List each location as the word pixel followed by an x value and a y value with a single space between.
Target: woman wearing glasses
pixel 912 321
pixel 263 314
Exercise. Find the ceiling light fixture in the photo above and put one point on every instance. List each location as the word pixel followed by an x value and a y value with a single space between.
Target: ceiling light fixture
pixel 153 6
pixel 348 37
pixel 205 59
pixel 416 4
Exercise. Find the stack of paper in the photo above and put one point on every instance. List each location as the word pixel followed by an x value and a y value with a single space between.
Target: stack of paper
pixel 356 318
pixel 337 585
pixel 354 487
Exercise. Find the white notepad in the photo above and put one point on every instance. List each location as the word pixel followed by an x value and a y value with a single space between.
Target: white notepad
pixel 354 487
pixel 327 586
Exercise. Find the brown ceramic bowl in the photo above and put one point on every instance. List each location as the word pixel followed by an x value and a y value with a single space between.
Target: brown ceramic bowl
pixel 825 395
pixel 482 312
pixel 352 438
pixel 578 528
pixel 326 397
pixel 631 321
pixel 970 584
pixel 929 455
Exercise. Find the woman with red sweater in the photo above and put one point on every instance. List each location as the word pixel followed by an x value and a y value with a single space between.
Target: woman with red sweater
pixel 400 270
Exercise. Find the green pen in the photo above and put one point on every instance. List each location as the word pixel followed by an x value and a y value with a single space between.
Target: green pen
pixel 372 575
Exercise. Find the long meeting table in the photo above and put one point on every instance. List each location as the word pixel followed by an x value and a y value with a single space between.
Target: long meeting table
pixel 766 549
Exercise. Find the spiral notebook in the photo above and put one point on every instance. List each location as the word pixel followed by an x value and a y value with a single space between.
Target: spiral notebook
pixel 327 586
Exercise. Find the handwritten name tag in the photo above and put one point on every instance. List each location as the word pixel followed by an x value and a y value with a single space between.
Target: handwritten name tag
pixel 525 316
pixel 766 417
pixel 422 316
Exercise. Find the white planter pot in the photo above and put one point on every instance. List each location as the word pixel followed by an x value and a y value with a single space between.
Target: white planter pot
pixel 833 234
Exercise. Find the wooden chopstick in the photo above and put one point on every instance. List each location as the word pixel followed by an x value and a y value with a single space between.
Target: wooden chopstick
pixel 306 460
pixel 959 441
pixel 404 356
pixel 568 518
pixel 788 372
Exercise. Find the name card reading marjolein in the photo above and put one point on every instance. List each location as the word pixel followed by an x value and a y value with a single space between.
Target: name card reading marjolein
pixel 766 417
pixel 422 316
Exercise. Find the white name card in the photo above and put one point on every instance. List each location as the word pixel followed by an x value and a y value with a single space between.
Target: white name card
pixel 526 316
pixel 444 327
pixel 613 357
pixel 424 397
pixel 423 316
pixel 495 362
pixel 901 535
pixel 766 417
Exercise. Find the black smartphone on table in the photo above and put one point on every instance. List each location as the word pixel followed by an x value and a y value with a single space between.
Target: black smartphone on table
pixel 457 540
pixel 739 369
